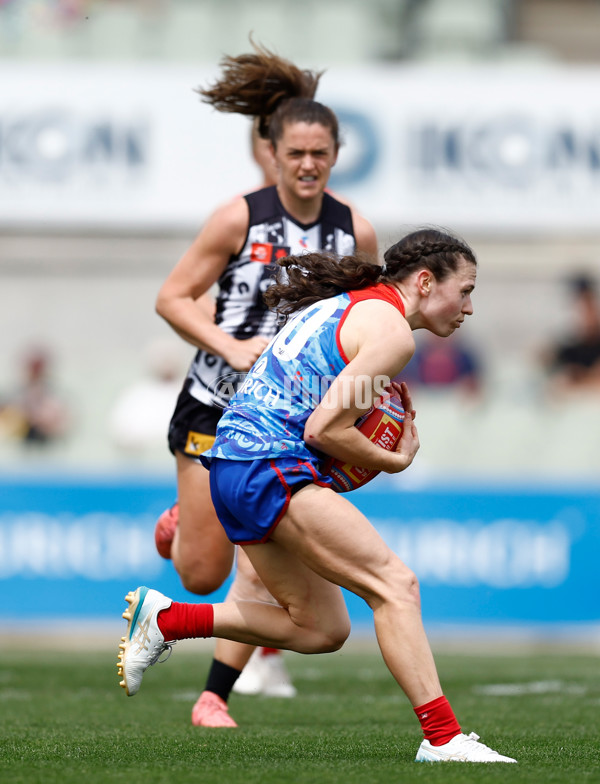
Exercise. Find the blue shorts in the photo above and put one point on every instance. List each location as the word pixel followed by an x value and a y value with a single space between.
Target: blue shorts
pixel 251 496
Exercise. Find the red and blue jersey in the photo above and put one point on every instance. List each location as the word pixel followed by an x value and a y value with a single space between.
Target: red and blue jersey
pixel 267 415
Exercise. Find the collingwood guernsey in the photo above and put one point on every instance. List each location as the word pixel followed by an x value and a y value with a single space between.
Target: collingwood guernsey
pixel 240 309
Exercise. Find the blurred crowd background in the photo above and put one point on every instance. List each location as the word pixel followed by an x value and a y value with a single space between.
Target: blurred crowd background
pixel 479 115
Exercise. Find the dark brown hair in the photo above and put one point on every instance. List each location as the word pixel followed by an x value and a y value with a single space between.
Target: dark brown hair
pixel 311 277
pixel 271 89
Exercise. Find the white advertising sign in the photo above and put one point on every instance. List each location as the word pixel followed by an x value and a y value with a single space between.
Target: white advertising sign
pixel 490 149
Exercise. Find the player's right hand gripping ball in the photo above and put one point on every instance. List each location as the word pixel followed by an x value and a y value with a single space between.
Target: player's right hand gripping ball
pixel 383 426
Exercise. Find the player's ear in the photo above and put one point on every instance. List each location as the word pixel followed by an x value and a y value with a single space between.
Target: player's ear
pixel 424 282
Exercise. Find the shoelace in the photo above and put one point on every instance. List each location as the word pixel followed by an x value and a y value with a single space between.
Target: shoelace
pixel 162 647
pixel 168 647
pixel 474 738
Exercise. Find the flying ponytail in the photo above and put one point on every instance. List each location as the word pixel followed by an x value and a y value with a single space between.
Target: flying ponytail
pixel 256 84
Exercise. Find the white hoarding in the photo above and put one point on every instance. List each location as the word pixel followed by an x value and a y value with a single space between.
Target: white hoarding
pixel 489 149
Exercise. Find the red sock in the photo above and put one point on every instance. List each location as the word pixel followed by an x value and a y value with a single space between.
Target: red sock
pixel 268 651
pixel 182 621
pixel 438 721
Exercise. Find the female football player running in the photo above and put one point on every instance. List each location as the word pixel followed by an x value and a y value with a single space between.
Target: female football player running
pixel 353 321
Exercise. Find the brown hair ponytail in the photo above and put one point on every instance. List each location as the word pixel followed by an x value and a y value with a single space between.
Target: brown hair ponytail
pixel 256 84
pixel 271 89
pixel 314 276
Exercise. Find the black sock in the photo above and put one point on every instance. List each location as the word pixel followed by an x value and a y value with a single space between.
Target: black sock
pixel 221 678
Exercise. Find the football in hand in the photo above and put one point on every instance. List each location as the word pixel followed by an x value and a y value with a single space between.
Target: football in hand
pixel 383 426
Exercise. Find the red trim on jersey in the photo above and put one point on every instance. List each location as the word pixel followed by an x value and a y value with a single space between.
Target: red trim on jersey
pixel 381 291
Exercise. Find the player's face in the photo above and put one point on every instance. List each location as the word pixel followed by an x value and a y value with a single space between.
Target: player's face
pixel 305 155
pixel 449 300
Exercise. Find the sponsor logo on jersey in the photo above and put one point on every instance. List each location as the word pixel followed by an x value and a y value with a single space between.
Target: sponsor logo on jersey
pixel 266 252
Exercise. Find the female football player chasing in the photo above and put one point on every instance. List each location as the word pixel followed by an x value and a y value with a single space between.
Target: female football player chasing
pixel 354 320
pixel 237 249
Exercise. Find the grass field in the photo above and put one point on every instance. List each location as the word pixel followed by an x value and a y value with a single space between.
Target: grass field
pixel 64 719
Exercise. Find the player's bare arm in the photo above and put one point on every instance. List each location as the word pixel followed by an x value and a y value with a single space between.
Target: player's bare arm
pixel 330 428
pixel 198 269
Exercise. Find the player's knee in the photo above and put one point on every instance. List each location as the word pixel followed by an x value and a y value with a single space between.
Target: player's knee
pixel 335 637
pixel 202 579
pixel 321 642
pixel 405 589
pixel 199 584
pixel 324 635
pixel 395 583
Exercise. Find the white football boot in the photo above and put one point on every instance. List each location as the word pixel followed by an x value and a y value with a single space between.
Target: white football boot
pixel 277 682
pixel 462 748
pixel 143 642
pixel 266 675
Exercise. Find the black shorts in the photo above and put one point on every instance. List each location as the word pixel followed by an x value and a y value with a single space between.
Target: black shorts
pixel 193 425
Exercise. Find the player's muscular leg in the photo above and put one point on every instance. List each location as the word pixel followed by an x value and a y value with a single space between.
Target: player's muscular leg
pixel 336 540
pixel 201 552
pixel 312 616
pixel 247 586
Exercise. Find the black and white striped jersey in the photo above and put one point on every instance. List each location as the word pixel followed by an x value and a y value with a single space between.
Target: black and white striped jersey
pixel 240 310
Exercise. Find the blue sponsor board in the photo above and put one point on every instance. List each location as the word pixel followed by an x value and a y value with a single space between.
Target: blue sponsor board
pixel 510 555
pixel 71 548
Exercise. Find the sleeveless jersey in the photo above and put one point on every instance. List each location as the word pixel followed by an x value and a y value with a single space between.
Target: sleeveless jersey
pixel 267 415
pixel 240 310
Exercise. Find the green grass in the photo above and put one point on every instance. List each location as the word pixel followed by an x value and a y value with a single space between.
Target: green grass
pixel 63 718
